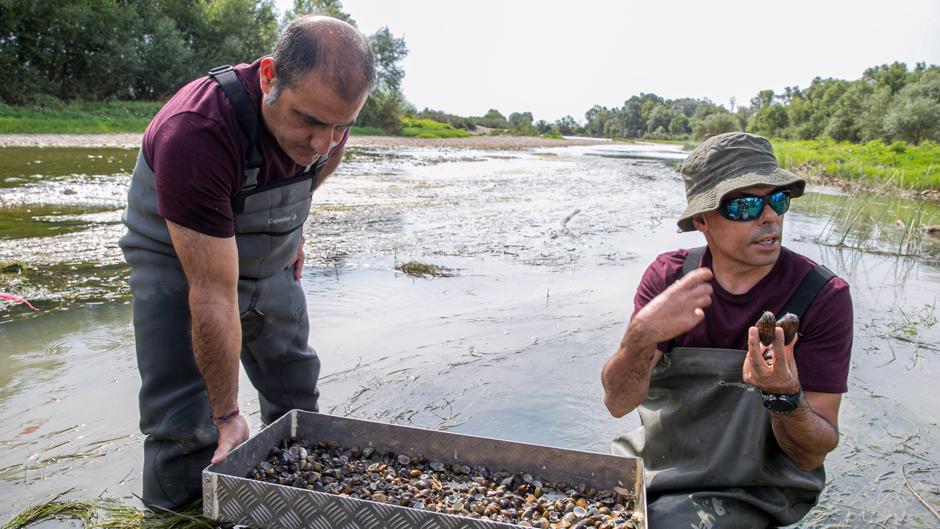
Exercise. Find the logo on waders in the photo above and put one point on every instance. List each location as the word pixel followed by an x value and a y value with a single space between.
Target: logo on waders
pixel 285 218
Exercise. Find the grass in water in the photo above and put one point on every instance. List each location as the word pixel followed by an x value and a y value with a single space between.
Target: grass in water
pixel 416 269
pixel 78 117
pixel 908 166
pixel 110 514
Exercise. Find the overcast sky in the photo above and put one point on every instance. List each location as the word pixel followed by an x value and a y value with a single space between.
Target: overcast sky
pixel 554 58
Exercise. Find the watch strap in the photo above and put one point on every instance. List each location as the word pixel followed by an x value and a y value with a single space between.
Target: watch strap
pixel 782 402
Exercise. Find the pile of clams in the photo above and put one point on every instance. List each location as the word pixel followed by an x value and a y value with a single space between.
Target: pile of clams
pixel 409 480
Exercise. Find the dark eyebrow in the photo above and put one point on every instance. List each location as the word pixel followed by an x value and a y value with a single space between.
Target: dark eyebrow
pixel 313 120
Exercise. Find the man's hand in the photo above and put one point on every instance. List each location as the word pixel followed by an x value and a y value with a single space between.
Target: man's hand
pixel 780 377
pixel 676 310
pixel 679 308
pixel 232 433
pixel 807 433
pixel 298 261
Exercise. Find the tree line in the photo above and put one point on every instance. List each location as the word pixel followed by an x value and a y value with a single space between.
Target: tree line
pixel 97 50
pixel 146 49
pixel 888 103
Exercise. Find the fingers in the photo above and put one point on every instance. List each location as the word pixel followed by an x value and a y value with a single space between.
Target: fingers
pixel 299 265
pixel 699 275
pixel 219 455
pixel 696 287
pixel 789 357
pixel 299 260
pixel 231 434
pixel 755 357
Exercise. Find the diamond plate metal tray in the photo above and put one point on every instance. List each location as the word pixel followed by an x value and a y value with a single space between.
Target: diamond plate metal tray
pixel 229 496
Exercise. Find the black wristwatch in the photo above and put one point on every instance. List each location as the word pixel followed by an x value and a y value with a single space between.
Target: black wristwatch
pixel 782 403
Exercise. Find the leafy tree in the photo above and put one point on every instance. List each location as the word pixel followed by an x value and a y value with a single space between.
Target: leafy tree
pixel 567 126
pixel 914 114
pixel 236 31
pixel 871 122
pixel 383 110
pixel 844 123
pixel 893 76
pixel 521 119
pixel 763 99
pixel 493 119
pixel 769 120
pixel 330 8
pixel 714 124
pixel 165 55
pixel 389 52
pixel 660 118
pixel 914 120
pixel 679 125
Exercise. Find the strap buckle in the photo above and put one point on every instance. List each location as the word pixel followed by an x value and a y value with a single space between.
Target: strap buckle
pixel 219 70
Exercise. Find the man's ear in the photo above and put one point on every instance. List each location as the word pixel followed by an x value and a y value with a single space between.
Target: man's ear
pixel 267 74
pixel 700 223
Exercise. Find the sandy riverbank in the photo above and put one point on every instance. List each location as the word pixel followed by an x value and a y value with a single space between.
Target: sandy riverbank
pixel 133 140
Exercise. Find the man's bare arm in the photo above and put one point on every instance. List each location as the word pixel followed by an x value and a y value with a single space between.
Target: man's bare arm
pixel 626 375
pixel 211 268
pixel 809 432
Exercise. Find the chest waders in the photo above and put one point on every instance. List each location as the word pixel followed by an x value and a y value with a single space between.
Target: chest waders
pixel 711 457
pixel 174 408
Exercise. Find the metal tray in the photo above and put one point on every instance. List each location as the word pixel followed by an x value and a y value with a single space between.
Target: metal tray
pixel 231 497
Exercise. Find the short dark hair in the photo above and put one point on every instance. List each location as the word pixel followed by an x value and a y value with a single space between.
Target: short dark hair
pixel 342 58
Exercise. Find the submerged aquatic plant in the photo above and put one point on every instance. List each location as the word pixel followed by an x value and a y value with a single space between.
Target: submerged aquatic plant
pixel 862 225
pixel 416 269
pixel 107 513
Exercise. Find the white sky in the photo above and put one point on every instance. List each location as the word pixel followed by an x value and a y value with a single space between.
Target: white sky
pixel 554 58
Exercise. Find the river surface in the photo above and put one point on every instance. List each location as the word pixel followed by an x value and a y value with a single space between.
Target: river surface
pixel 546 247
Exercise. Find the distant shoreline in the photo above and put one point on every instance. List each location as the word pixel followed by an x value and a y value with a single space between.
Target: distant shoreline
pixel 132 140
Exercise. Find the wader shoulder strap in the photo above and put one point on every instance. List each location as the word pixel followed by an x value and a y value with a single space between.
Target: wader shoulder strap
pixel 801 299
pixel 812 283
pixel 247 116
pixel 692 261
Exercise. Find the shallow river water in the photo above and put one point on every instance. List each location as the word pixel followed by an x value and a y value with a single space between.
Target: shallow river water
pixel 547 246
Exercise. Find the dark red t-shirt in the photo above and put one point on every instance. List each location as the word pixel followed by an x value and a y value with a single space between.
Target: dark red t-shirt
pixel 196 150
pixel 822 353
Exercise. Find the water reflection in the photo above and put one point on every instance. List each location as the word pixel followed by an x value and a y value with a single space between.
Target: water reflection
pixel 874 223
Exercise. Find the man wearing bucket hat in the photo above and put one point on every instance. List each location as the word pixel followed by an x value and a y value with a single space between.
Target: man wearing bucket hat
pixel 731 439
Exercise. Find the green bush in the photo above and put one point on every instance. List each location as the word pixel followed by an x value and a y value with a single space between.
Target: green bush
pixel 52 115
pixel 909 166
pixel 366 131
pixel 427 128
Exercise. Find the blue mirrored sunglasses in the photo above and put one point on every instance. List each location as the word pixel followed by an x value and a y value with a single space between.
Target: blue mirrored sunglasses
pixel 750 207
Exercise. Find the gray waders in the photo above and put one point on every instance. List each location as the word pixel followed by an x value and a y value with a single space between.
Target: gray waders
pixel 711 457
pixel 174 408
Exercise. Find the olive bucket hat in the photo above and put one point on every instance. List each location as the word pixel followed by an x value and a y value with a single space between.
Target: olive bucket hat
pixel 726 163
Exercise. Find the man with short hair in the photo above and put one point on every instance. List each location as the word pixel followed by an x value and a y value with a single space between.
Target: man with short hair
pixel 216 207
pixel 731 439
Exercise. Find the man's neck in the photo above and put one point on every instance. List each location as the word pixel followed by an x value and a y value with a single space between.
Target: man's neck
pixel 737 277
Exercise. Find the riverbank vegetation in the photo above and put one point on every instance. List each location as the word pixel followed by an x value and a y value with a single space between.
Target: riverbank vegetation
pixel 903 165
pixel 883 126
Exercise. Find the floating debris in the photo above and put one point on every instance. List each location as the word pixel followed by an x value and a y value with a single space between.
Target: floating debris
pixel 410 480
pixel 416 269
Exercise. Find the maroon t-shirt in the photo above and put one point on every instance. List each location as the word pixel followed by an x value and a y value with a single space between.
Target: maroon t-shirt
pixel 825 344
pixel 197 149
